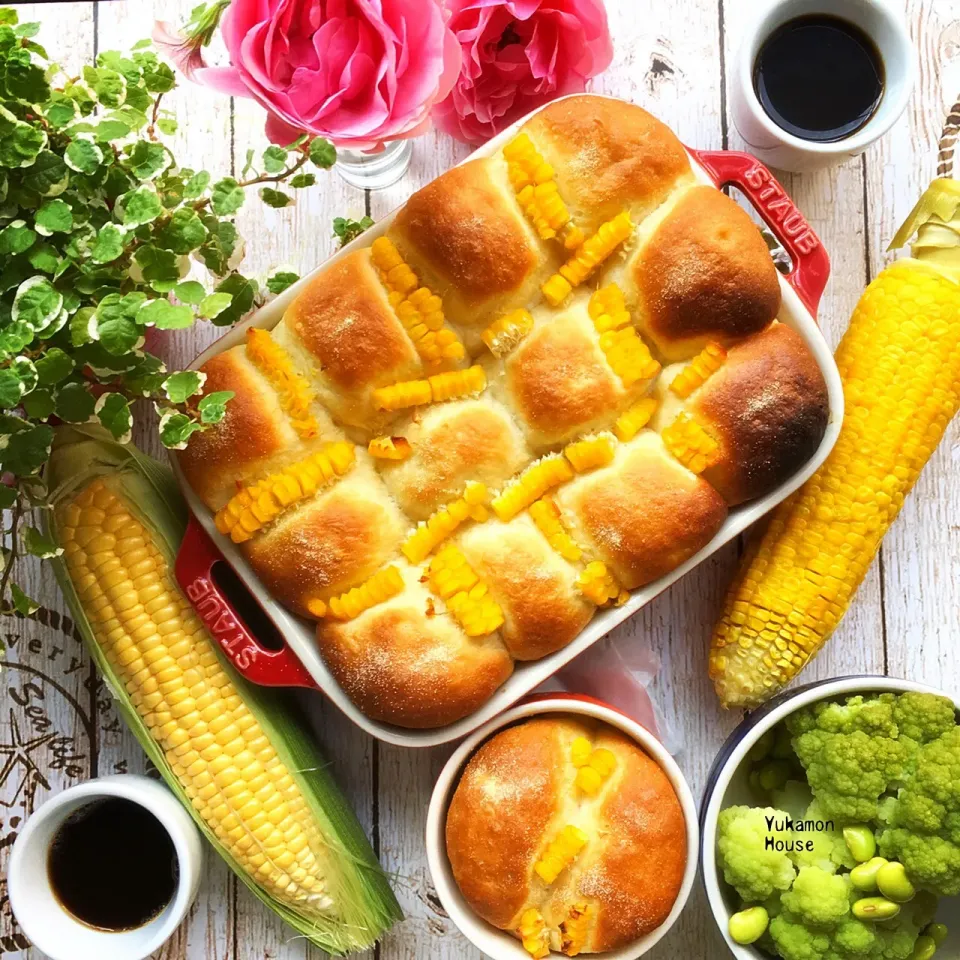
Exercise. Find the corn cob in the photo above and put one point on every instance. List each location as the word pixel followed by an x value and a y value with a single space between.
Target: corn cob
pixel 467 597
pixel 533 181
pixel 589 454
pixel 900 366
pixel 389 448
pixel 573 930
pixel 441 386
pixel 695 373
pixel 232 754
pixel 293 391
pixel 633 420
pixel 504 335
pixel 600 586
pixel 587 258
pixel 383 585
pixel 531 485
pixel 533 934
pixel 254 507
pixel 592 775
pixel 560 853
pixel 546 516
pixel 433 531
pixel 688 440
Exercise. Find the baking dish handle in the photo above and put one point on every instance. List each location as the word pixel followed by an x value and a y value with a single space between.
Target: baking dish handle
pixel 811 265
pixel 259 664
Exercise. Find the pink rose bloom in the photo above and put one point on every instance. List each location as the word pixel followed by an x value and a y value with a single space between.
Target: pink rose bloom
pixel 358 72
pixel 517 55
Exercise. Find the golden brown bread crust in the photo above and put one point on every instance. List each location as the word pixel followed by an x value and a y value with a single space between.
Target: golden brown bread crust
pixel 253 430
pixel 645 514
pixel 346 324
pixel 518 791
pixel 536 589
pixel 705 274
pixel 508 795
pixel 608 156
pixel 454 443
pixel 404 663
pixel 768 407
pixel 468 240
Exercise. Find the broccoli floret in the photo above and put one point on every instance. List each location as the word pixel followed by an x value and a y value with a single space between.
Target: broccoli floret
pixel 924 716
pixel 853 938
pixel 794 941
pixel 818 898
pixel 753 871
pixel 830 851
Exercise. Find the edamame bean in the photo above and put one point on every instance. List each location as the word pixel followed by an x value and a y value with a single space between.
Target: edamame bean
pixel 861 843
pixel 924 948
pixel 864 876
pixel 875 908
pixel 749 925
pixel 892 882
pixel 937 932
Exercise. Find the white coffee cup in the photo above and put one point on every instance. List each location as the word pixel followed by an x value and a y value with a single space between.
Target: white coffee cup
pixel 55 931
pixel 771 143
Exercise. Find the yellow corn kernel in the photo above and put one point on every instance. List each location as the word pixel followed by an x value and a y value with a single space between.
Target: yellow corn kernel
pixel 560 853
pixel 293 391
pixel 406 393
pixel 591 775
pixel 430 533
pixel 573 930
pixel 533 934
pixel 628 356
pixel 546 515
pixel 634 419
pixel 441 386
pixel 504 335
pixel 250 510
pixel 592 252
pixel 580 751
pixel 533 181
pixel 690 443
pixel 383 585
pixel 608 310
pixel 589 454
pixel 599 585
pixel 475 610
pixel 449 573
pixel 389 448
pixel 695 373
pixel 531 485
pixel 589 781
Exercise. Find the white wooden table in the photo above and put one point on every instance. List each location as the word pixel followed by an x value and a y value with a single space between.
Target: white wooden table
pixel 57 727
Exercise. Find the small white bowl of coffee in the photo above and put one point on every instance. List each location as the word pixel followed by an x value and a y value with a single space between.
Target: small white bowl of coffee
pixel 816 82
pixel 106 870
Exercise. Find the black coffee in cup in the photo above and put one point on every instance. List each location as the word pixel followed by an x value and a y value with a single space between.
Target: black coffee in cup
pixel 819 77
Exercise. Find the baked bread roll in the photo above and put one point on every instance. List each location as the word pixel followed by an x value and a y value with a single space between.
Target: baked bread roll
pixel 460 441
pixel 565 833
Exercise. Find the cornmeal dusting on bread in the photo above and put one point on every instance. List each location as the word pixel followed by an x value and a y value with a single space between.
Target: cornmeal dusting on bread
pixel 389 448
pixel 590 454
pixel 503 336
pixel 560 853
pixel 688 440
pixel 293 390
pixel 588 257
pixel 634 419
pixel 701 367
pixel 546 515
pixel 573 930
pixel 250 510
pixel 534 182
pixel 439 387
pixel 533 934
pixel 592 774
pixel 383 585
pixel 433 531
pixel 531 485
pixel 418 308
pixel 627 354
pixel 600 586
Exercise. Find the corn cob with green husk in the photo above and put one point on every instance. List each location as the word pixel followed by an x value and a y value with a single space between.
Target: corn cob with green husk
pixel 900 366
pixel 234 755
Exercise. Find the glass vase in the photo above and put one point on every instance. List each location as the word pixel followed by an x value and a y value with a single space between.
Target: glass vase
pixel 374 171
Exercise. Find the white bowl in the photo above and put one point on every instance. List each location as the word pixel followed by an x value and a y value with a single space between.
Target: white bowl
pixel 497 943
pixel 727 786
pixel 58 933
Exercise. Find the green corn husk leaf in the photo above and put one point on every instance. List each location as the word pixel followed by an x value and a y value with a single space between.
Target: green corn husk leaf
pixel 364 906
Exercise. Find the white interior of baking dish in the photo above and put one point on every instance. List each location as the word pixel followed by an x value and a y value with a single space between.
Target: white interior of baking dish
pixel 299 634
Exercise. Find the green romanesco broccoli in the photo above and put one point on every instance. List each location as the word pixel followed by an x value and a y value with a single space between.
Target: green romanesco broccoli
pixel 754 871
pixel 924 716
pixel 830 851
pixel 818 898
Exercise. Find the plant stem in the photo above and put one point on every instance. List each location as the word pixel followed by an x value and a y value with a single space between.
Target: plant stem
pixel 152 128
pixel 8 568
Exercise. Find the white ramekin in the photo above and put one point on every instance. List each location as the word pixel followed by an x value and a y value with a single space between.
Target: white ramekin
pixel 727 786
pixel 771 143
pixel 498 944
pixel 48 925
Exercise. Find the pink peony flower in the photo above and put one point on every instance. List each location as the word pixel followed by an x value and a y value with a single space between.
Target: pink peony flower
pixel 517 55
pixel 358 72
